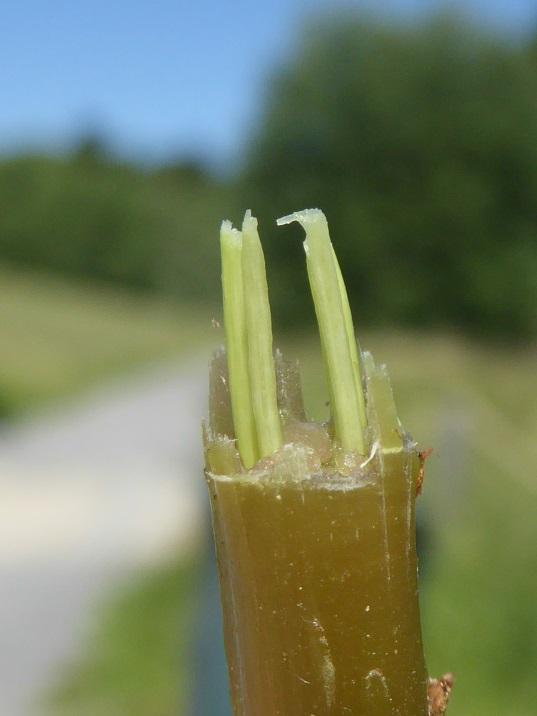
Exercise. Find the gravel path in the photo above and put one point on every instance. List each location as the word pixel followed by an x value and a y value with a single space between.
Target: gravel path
pixel 89 493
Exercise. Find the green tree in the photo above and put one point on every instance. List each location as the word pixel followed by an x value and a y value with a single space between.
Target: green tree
pixel 420 143
pixel 89 215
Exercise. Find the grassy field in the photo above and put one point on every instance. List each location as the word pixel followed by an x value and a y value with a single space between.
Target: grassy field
pixel 57 338
pixel 136 663
pixel 474 404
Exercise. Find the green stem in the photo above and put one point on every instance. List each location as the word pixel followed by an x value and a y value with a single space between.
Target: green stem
pixel 259 330
pixel 325 289
pixel 353 344
pixel 231 245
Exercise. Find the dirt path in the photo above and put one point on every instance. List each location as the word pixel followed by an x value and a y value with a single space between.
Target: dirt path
pixel 89 493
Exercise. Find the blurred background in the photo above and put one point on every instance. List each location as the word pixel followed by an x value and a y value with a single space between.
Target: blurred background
pixel 127 132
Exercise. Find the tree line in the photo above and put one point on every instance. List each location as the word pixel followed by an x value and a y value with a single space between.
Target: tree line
pixel 419 141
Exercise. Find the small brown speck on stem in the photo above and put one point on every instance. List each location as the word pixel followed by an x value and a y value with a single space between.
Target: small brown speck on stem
pixel 438 694
pixel 423 455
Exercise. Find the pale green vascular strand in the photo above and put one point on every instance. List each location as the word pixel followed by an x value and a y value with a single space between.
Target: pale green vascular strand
pixel 231 246
pixel 259 331
pixel 325 289
pixel 353 345
pixel 385 422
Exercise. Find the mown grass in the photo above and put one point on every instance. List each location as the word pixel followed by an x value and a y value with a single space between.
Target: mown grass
pixel 58 337
pixel 136 662
pixel 474 404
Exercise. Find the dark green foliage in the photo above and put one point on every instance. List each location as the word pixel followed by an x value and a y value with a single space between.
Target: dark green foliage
pixel 420 144
pixel 89 216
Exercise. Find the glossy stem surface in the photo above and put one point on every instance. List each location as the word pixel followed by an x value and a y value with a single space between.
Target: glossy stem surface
pixel 319 590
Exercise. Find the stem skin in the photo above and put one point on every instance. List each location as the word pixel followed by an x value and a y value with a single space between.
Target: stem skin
pixel 319 593
pixel 259 331
pixel 325 289
pixel 231 245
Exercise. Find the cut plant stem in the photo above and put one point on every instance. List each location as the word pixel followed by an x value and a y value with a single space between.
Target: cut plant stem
pixel 231 244
pixel 259 331
pixel 316 544
pixel 334 327
pixel 319 591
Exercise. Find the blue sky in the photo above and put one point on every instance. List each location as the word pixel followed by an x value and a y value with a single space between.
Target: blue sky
pixel 160 77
